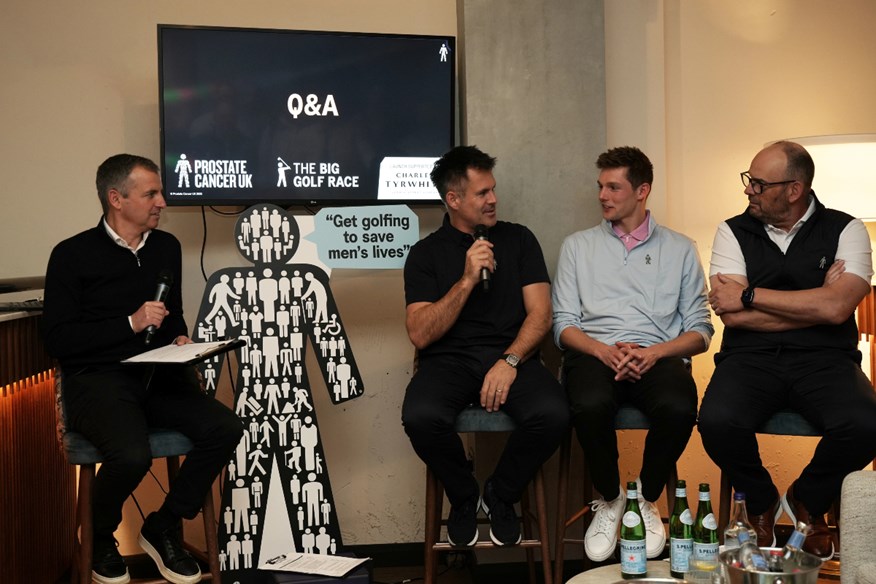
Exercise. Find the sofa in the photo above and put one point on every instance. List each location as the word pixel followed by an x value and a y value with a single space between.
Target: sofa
pixel 858 529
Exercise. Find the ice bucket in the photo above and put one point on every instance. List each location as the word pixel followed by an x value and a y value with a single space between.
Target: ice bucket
pixel 807 573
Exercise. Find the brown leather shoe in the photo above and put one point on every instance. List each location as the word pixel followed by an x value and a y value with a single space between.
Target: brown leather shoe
pixel 765 524
pixel 819 542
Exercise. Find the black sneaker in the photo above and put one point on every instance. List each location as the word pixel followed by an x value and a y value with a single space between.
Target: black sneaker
pixel 504 523
pixel 173 561
pixel 107 564
pixel 462 523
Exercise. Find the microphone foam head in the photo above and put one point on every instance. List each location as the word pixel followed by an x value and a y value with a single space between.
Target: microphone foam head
pixel 165 276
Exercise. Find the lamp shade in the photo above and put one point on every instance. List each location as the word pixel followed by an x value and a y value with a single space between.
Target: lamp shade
pixel 844 167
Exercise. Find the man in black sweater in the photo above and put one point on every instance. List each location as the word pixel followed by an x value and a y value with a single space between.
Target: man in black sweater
pixel 99 302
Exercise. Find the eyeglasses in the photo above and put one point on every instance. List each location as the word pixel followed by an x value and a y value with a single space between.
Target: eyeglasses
pixel 758 185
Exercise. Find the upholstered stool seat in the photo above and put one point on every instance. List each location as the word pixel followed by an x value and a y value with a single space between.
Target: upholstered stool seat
pixel 163 443
pixel 476 419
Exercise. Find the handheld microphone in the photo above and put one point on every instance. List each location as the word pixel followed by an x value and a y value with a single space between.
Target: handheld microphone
pixel 480 233
pixel 165 280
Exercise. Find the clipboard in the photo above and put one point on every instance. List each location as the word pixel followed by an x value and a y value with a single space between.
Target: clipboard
pixel 186 354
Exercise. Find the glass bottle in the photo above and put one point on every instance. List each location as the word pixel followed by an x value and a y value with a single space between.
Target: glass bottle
pixel 680 536
pixel 738 522
pixel 632 537
pixel 792 549
pixel 749 554
pixel 705 528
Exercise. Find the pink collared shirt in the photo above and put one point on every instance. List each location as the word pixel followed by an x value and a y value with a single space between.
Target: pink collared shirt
pixel 636 236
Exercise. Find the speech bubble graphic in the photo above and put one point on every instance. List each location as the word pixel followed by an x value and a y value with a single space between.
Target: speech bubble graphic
pixel 365 238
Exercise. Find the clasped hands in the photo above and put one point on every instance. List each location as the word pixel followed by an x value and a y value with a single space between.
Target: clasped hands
pixel 629 360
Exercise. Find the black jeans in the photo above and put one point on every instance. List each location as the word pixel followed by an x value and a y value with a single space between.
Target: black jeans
pixel 827 387
pixel 115 406
pixel 444 386
pixel 667 394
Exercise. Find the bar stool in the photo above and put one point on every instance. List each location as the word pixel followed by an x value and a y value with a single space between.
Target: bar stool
pixel 627 418
pixel 476 419
pixel 167 444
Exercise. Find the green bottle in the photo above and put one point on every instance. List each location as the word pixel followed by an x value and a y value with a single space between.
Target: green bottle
pixel 680 533
pixel 632 537
pixel 705 528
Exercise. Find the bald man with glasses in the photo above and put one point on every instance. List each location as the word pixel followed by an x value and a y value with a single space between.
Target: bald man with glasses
pixel 786 276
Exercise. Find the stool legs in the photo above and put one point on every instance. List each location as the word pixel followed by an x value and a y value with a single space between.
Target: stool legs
pixel 211 530
pixel 435 502
pixel 541 510
pixel 84 545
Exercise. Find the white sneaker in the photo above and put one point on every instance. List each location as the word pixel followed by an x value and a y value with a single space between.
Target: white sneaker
pixel 601 537
pixel 655 535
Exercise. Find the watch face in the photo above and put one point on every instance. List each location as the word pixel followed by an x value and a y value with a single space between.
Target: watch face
pixel 512 360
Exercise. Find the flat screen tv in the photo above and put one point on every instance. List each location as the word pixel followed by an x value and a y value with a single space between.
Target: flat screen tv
pixel 296 117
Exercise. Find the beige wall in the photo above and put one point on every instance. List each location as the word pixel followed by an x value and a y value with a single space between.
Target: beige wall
pixel 701 86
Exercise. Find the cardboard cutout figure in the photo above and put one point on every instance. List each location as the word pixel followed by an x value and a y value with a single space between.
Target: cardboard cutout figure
pixel 275 306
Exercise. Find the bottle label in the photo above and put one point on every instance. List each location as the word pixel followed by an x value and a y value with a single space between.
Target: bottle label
pixel 709 522
pixel 631 519
pixel 704 496
pixel 686 517
pixel 633 559
pixel 680 493
pixel 705 551
pixel 680 551
pixel 796 540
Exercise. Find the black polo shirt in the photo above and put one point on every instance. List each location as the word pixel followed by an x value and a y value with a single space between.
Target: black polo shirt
pixel 489 319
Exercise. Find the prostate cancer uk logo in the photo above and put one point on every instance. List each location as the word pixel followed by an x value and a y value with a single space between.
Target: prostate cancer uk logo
pixel 212 174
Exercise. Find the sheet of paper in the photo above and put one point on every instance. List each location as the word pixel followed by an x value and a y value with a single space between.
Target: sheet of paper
pixel 322 565
pixel 179 353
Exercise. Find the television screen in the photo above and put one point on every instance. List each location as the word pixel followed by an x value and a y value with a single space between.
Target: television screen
pixel 301 117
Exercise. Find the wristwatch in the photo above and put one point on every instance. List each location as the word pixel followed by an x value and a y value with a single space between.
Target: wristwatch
pixel 748 297
pixel 511 359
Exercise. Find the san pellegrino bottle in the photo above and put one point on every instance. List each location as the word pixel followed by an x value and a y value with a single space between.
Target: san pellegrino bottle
pixel 738 522
pixel 705 528
pixel 680 533
pixel 749 554
pixel 632 537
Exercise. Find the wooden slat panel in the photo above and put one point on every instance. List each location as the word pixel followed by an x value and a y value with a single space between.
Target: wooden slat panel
pixel 37 487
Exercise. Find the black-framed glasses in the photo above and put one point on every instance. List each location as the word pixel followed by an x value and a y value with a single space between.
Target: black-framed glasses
pixel 758 185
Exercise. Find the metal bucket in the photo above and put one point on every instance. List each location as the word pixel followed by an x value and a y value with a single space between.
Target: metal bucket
pixel 806 574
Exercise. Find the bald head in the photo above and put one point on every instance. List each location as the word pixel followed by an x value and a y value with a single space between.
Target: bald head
pixel 798 164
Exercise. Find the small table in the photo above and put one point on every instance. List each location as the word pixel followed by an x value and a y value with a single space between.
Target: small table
pixel 611 573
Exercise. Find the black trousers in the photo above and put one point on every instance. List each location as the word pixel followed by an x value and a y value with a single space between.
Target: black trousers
pixel 444 386
pixel 114 408
pixel 827 387
pixel 666 393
